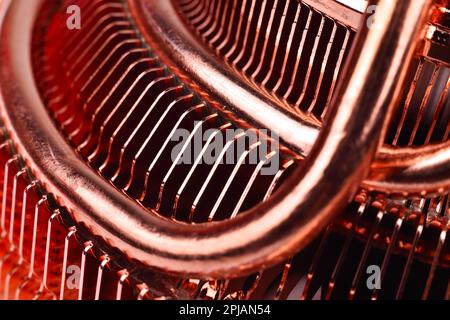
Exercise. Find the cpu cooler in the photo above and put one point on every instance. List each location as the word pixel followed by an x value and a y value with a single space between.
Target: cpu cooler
pixel 225 149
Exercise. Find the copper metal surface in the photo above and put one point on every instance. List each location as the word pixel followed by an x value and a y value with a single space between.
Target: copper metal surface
pixel 40 242
pixel 273 230
pixel 180 47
